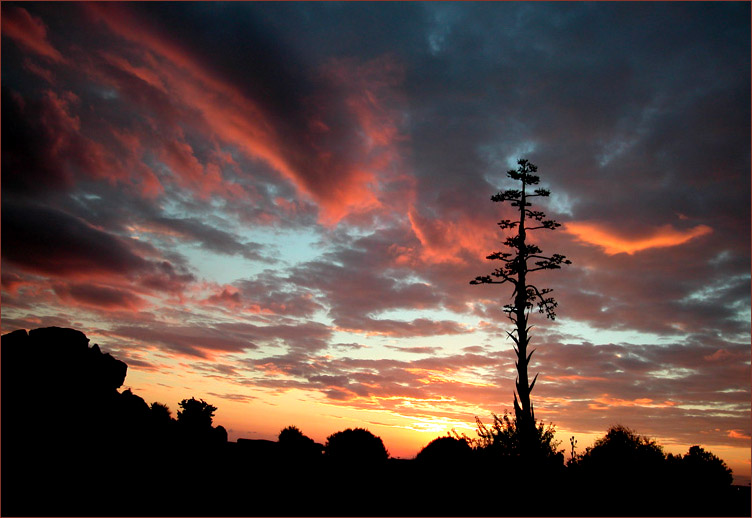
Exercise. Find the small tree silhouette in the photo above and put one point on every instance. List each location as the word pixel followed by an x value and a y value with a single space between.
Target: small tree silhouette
pixel 704 470
pixel 624 456
pixel 296 446
pixel 355 446
pixel 446 450
pixel 515 270
pixel 292 435
pixel 196 414
pixel 160 412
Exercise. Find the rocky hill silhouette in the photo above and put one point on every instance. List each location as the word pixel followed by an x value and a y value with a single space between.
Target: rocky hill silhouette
pixel 74 445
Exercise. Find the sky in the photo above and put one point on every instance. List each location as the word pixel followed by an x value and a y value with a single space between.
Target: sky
pixel 278 208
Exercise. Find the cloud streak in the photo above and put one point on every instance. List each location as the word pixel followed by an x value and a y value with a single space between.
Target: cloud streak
pixel 661 237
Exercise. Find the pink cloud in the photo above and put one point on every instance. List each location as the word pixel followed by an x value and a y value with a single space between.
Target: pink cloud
pixel 341 183
pixel 738 434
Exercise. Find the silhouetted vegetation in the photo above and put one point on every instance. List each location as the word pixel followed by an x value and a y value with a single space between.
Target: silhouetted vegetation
pixel 355 446
pixel 72 445
pixel 196 414
pixel 515 270
pixel 446 450
pixel 295 446
pixel 503 441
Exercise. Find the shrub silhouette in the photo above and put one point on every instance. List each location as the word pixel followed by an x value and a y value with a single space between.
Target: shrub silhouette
pixel 296 446
pixel 623 461
pixel 219 434
pixel 445 450
pixel 160 412
pixel 622 447
pixel 196 414
pixel 702 469
pixel 292 435
pixel 503 439
pixel 355 446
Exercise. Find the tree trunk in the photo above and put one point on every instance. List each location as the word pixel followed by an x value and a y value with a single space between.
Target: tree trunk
pixel 523 411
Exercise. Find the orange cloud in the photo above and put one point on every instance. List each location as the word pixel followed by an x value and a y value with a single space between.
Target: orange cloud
pixel 447 241
pixel 29 32
pixel 664 236
pixel 604 402
pixel 451 376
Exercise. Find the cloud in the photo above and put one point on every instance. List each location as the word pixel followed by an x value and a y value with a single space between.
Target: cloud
pixel 191 341
pixel 403 329
pixel 29 31
pixel 341 181
pixel 452 241
pixel 661 237
pixel 101 297
pixel 207 236
pixel 49 241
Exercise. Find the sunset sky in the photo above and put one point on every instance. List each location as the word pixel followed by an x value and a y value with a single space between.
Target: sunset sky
pixel 278 208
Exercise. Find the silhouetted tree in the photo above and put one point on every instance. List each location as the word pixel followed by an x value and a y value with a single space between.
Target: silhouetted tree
pixel 355 446
pixel 702 469
pixel 623 457
pixel 292 435
pixel 295 445
pixel 515 269
pixel 196 414
pixel 160 412
pixel 445 450
pixel 219 434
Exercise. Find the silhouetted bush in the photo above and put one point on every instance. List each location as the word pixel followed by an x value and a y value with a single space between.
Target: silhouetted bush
pixel 446 450
pixel 355 446
pixel 160 412
pixel 297 447
pixel 624 455
pixel 196 414
pixel 219 434
pixel 502 441
pixel 702 469
pixel 633 470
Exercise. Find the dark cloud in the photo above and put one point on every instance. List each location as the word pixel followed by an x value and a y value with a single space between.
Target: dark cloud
pixel 50 241
pixel 209 237
pixel 99 297
pixel 197 341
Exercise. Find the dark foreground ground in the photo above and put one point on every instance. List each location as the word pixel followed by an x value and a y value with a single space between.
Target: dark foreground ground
pixel 225 481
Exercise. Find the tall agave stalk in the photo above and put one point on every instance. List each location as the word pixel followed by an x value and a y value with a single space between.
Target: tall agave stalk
pixel 522 259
